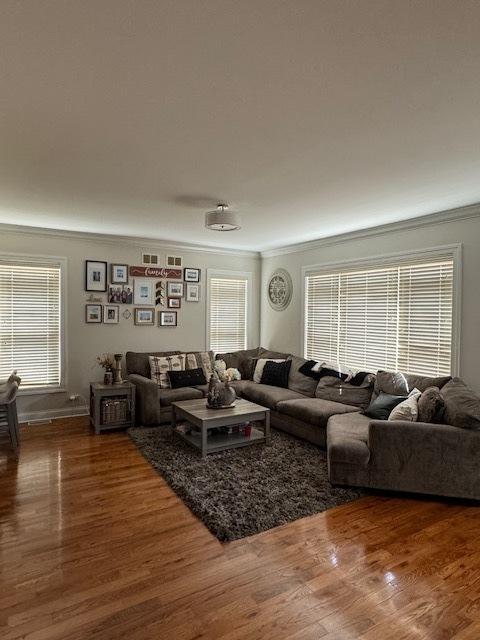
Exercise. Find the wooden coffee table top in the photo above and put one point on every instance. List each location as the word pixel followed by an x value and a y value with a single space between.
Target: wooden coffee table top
pixel 199 410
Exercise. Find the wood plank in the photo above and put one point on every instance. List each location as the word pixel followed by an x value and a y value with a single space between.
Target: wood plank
pixel 94 544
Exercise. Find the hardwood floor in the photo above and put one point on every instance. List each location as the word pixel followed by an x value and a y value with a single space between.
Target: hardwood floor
pixel 95 545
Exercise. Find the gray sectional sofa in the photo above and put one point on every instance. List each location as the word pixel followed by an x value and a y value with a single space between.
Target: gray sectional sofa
pixel 430 458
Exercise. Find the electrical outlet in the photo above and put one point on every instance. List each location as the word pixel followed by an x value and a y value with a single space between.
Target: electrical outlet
pixel 74 396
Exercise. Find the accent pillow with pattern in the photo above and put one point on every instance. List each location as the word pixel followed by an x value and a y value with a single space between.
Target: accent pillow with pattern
pixel 203 360
pixel 161 365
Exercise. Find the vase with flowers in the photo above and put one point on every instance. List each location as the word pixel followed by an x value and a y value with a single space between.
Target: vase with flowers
pixel 107 362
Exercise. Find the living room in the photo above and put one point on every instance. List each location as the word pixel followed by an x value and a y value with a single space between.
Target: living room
pixel 238 319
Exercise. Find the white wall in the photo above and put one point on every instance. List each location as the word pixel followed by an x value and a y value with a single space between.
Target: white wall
pixel 86 341
pixel 283 330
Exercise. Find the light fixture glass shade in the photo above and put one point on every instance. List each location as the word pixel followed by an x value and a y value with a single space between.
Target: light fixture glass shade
pixel 221 219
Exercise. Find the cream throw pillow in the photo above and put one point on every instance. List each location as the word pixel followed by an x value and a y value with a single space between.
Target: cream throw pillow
pixel 257 374
pixel 161 365
pixel 408 409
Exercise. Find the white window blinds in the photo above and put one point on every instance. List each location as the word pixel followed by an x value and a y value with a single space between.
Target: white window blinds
pixel 227 313
pixel 30 323
pixel 395 317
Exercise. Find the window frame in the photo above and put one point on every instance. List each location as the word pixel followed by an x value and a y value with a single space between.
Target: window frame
pixel 224 273
pixel 61 262
pixel 398 258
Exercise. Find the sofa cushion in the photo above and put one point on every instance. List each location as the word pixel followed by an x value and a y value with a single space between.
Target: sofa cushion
pixel 187 378
pixel 334 389
pixel 431 406
pixel 167 396
pixel 160 366
pixel 137 362
pixel 382 406
pixel 408 409
pixel 202 359
pixel 239 386
pixel 241 360
pixel 272 355
pixel 298 381
pixel 259 364
pixel 347 439
pixel 266 395
pixel 276 373
pixel 462 405
pixel 397 383
pixel 313 410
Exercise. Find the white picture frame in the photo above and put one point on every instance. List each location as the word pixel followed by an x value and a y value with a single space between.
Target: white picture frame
pixel 144 292
pixel 193 292
pixel 174 289
pixel 111 314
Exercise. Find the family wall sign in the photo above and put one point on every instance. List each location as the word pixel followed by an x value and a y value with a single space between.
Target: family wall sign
pixel 155 272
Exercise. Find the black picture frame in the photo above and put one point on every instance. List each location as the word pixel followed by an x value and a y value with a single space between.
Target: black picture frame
pixel 162 319
pixel 103 276
pixel 188 276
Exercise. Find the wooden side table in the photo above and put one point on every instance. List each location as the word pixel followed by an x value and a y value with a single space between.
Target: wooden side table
pixel 112 406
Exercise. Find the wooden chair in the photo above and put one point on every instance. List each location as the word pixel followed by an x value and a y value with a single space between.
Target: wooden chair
pixel 8 411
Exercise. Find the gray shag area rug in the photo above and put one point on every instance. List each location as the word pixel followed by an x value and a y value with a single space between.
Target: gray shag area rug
pixel 240 492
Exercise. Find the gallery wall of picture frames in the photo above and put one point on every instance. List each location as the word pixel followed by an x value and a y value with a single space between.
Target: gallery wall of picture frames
pixel 143 287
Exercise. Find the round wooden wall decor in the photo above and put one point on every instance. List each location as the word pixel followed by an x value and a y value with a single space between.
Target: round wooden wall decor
pixel 279 289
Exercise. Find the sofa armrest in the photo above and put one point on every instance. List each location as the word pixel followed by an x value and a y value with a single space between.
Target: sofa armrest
pixel 147 399
pixel 431 458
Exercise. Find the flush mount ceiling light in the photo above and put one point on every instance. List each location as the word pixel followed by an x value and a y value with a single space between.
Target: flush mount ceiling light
pixel 221 219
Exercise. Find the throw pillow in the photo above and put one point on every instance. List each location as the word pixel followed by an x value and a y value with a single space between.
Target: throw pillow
pixel 382 406
pixel 335 390
pixel 220 367
pixel 202 359
pixel 276 373
pixel 398 383
pixel 187 378
pixel 408 409
pixel 431 406
pixel 161 365
pixel 462 406
pixel 257 374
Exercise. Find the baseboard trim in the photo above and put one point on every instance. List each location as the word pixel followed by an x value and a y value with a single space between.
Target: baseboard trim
pixel 51 414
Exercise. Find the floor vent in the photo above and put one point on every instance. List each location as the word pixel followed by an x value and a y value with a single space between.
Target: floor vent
pixel 39 421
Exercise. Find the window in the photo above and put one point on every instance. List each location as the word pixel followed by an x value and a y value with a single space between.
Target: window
pixel 397 315
pixel 227 309
pixel 31 321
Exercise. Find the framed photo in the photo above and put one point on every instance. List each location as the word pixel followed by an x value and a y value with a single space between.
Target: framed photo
pixel 144 316
pixel 93 313
pixel 191 275
pixel 111 314
pixel 144 292
pixel 127 294
pixel 95 275
pixel 174 303
pixel 168 319
pixel 119 273
pixel 193 293
pixel 174 289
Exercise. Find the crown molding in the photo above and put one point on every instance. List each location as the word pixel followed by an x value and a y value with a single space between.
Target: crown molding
pixel 442 217
pixel 144 243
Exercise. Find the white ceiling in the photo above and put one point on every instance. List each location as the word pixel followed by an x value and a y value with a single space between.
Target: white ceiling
pixel 311 117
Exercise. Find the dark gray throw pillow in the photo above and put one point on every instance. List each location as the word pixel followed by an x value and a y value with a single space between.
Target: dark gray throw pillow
pixel 462 406
pixel 187 378
pixel 276 373
pixel 431 406
pixel 382 406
